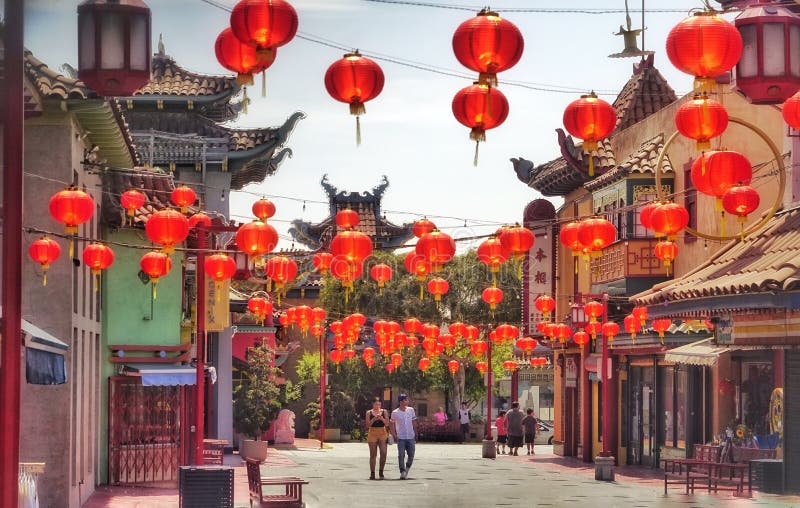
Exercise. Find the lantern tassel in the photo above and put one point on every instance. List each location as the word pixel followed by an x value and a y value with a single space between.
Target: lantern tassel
pixel 358 131
pixel 44 278
pixel 245 100
pixel 97 282
pixel 722 223
pixel 741 227
pixel 421 293
pixel 494 279
pixel 263 83
pixel 155 293
pixel 475 159
pixel 71 247
pixel 591 164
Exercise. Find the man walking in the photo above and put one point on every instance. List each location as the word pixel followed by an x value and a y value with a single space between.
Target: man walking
pixel 514 428
pixel 404 431
pixel 463 418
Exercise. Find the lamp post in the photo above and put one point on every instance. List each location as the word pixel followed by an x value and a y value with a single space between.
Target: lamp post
pixel 489 451
pixel 323 385
pixel 604 463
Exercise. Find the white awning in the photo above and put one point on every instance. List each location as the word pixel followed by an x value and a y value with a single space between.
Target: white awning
pixel 165 375
pixel 702 352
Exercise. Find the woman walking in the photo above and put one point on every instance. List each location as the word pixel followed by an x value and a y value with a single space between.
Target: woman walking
pixel 377 435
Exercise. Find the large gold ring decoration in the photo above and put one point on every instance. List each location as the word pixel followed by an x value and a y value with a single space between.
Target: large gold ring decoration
pixel 776 412
pixel 778 157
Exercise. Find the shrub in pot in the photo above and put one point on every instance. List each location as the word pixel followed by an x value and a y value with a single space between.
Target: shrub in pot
pixel 256 401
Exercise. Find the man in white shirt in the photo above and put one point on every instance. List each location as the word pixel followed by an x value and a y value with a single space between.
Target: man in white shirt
pixel 404 431
pixel 463 418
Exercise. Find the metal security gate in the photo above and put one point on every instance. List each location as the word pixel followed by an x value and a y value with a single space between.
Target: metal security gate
pixel 146 432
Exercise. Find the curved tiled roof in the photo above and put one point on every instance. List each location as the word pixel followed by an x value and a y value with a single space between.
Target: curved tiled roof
pixel 169 78
pixel 53 85
pixel 766 261
pixel 643 161
pixel 154 184
pixel 644 94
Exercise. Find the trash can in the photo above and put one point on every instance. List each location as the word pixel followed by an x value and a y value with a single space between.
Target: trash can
pixel 767 475
pixel 206 487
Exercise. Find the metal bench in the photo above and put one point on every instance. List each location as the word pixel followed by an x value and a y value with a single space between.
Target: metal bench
pixel 291 498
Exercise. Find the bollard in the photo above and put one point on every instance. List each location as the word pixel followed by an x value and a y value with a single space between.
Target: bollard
pixel 489 449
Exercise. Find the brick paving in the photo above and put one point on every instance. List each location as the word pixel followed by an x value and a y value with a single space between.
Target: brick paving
pixel 445 475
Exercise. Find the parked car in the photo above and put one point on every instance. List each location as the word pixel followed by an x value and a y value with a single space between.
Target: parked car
pixel 543 436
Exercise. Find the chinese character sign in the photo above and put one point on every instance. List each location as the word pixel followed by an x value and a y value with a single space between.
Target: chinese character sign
pixel 217 305
pixel 539 276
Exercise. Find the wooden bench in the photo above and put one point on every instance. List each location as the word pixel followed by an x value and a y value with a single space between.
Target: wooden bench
pixel 716 468
pixel 291 498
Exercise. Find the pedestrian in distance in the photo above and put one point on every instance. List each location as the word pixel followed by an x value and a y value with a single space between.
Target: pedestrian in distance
pixel 464 417
pixel 502 433
pixel 514 428
pixel 377 436
pixel 440 417
pixel 530 425
pixel 404 432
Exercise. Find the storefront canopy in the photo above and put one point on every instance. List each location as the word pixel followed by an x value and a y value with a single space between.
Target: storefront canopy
pixel 164 375
pixel 44 356
pixel 702 352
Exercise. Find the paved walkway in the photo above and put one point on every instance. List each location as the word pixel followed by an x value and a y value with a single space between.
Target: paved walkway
pixel 447 475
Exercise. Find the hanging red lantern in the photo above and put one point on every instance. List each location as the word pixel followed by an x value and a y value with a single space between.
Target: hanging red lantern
pixel 437 248
pixel 481 367
pixel 167 228
pixel 132 200
pixel 791 111
pixel 381 273
pixel 424 363
pixel 545 305
pixel 580 338
pixel 44 251
pixel 550 330
pixel 283 319
pixel 610 330
pixel 240 57
pixel 336 356
pixel 256 238
pixel 510 365
pixel 183 197
pixel 447 340
pixel 354 80
pixel 346 271
pixel 281 270
pixel 568 236
pixel 646 214
pixel 480 108
pixel 478 347
pixel 661 326
pixel 632 326
pixel 71 207
pixel 704 45
pixel 492 254
pixel 263 209
pixel 714 172
pixel 319 314
pixel 322 261
pixel 397 359
pixel 412 325
pixel 488 44
pixel 438 287
pixel 368 352
pixel 596 234
pixel 422 227
pixel 265 24
pixel 741 200
pixel 305 317
pixel 318 330
pixel 199 219
pixel 594 310
pixel 416 264
pixel 518 240
pixel 453 366
pixel 526 344
pixel 701 119
pixel 458 329
pixel 640 313
pixel 593 328
pixel 666 252
pixel 346 218
pixel 590 119
pixel 563 332
pixel 493 296
pixel 97 257
pixel 260 307
pixel 471 333
pixel 354 246
pixel 114 46
pixel 156 265
pixel 220 267
pixel 669 219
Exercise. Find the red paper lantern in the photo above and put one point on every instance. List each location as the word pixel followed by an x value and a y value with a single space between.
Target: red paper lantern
pixel 701 119
pixel 661 326
pixel 666 252
pixel 156 265
pixel 631 324
pixel 492 254
pixel 263 209
pixel 167 228
pixel 791 111
pixel 563 332
pixel 488 44
pixel 422 227
pixel 458 329
pixel 397 359
pixel 714 172
pixel 220 267
pixel 71 207
pixel 412 325
pixel 669 219
pixel 593 309
pixel 593 328
pixel 381 273
pixel 424 363
pixel 44 251
pixel 493 296
pixel 354 80
pixel 526 344
pixel 437 248
pixel 416 264
pixel 453 366
pixel 545 305
pixel 741 200
pixel 438 287
pixel 507 332
pixel 481 367
pixel 517 239
pixel 646 214
pixel 704 45
pixel 322 261
pixel 260 307
pixel 368 352
pixel 266 24
pixel 318 314
pixel 281 270
pixel 354 246
pixel 478 347
pixel 610 330
pixel 131 201
pixel 510 365
pixel 580 338
pixel 640 313
pixel 183 197
pixel 471 333
pixel 346 218
pixel 480 108
pixel 596 234
pixel 241 58
pixel 346 271
pixel 97 257
pixel 199 219
pixel 590 119
pixel 256 238
pixel 568 236
pixel 336 356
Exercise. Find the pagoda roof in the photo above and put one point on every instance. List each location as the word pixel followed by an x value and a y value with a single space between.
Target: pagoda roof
pixel 642 162
pixel 645 93
pixel 169 78
pixel 155 184
pixel 368 206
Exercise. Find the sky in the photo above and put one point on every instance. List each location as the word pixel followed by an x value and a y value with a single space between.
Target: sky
pixel 409 132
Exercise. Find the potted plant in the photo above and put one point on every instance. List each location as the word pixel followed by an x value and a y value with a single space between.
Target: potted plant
pixel 256 401
pixel 340 416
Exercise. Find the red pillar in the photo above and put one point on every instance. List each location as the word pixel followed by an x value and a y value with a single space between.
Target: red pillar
pixel 608 406
pixel 323 383
pixel 586 406
pixel 515 386
pixel 199 415
pixel 488 436
pixel 11 370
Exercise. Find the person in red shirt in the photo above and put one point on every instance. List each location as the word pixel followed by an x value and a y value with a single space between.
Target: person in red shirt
pixel 502 432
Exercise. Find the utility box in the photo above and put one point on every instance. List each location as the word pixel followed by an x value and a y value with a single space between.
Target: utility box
pixel 206 487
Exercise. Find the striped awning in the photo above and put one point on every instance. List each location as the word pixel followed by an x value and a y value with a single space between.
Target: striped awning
pixel 702 352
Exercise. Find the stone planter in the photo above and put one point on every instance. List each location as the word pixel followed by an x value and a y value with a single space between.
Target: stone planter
pixel 250 449
pixel 333 435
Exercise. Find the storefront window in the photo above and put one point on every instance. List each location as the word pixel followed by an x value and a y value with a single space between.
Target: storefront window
pixel 757 385
pixel 667 386
pixel 680 408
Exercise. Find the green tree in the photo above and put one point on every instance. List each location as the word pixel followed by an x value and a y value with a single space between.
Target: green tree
pixel 256 400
